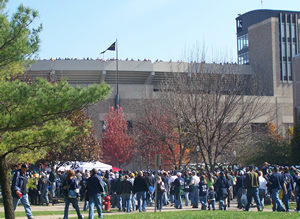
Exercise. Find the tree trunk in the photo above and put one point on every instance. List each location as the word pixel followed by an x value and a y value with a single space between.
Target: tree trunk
pixel 6 192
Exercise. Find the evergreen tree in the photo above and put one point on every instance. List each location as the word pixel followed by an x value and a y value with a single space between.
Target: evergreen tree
pixel 33 116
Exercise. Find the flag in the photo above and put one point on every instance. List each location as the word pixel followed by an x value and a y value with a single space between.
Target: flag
pixel 112 48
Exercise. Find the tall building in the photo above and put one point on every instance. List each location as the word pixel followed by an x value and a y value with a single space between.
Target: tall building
pixel 267 40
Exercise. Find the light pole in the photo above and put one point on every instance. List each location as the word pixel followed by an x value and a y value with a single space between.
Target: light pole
pixel 197 150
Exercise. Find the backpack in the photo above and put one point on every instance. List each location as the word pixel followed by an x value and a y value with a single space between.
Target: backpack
pixel 162 187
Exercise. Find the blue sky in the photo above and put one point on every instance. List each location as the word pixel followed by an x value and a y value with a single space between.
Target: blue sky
pixel 152 29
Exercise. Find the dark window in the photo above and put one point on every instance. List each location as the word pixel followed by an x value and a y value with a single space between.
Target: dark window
pixel 259 127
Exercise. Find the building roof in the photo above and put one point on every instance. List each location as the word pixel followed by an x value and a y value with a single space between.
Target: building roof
pixel 256 16
pixel 85 72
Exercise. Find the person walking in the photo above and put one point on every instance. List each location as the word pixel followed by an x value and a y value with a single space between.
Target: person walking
pixel 43 188
pixel 187 181
pixel 83 189
pixel 211 198
pixel 262 188
pixel 179 190
pixel 289 184
pixel 252 185
pixel 277 183
pixel 70 183
pixel 194 185
pixel 19 192
pixel 222 185
pixel 133 200
pixel 140 188
pixel 165 179
pixel 117 192
pixel 95 188
pixel 53 179
pixel 126 191
pixel 203 192
pixel 160 191
pixel 151 181
pixel 240 183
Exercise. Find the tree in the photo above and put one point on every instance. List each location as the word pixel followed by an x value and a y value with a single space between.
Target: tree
pixel 157 135
pixel 117 142
pixel 34 118
pixel 295 143
pixel 83 148
pixel 270 147
pixel 18 43
pixel 215 105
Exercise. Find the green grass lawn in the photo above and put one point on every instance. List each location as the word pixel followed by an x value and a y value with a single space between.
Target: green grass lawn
pixel 179 214
pixel 204 214
pixel 291 206
pixel 40 213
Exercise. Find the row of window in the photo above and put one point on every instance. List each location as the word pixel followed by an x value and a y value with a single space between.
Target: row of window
pixel 286 71
pixel 288 30
pixel 242 42
pixel 243 58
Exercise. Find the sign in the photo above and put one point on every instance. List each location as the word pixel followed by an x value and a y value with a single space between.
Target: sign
pixel 157 160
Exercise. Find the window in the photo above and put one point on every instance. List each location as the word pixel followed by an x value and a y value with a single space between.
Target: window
pixel 242 42
pixel 243 58
pixel 259 127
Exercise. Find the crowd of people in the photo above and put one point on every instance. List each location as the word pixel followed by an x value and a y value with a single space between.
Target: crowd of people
pixel 135 191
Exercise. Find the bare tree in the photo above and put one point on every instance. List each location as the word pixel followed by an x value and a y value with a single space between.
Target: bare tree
pixel 215 104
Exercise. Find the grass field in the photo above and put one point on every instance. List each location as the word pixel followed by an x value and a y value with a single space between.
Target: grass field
pixel 179 214
pixel 41 213
pixel 204 214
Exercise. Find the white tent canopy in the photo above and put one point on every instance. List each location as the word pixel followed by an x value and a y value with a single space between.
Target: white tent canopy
pixel 83 166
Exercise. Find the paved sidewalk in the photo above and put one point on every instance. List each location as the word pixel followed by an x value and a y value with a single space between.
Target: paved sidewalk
pixel 60 207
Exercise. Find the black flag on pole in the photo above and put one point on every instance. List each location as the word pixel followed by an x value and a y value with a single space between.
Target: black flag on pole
pixel 112 48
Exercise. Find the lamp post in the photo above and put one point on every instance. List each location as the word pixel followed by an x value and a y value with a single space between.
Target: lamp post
pixel 197 150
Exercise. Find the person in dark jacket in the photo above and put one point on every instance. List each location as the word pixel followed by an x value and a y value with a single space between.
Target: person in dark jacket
pixel 222 185
pixel 179 190
pixel 240 183
pixel 277 183
pixel 187 181
pixel 252 186
pixel 95 188
pixel 211 198
pixel 70 183
pixel 53 179
pixel 117 191
pixel 151 181
pixel 165 179
pixel 83 189
pixel 18 189
pixel 203 192
pixel 289 183
pixel 126 192
pixel 140 188
pixel 43 189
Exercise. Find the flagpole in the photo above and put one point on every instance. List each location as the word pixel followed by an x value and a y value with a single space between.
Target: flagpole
pixel 117 101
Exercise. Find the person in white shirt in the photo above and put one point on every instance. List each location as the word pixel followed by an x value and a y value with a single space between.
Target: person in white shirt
pixel 194 194
pixel 262 188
